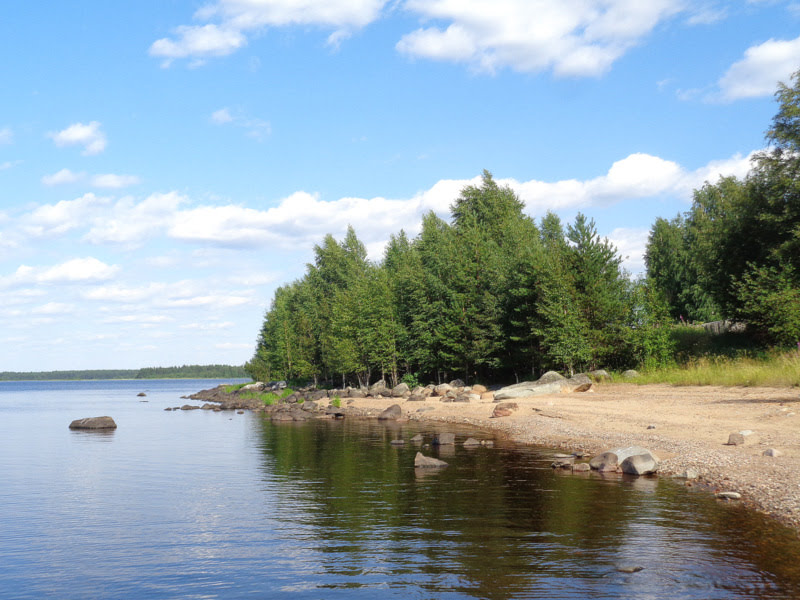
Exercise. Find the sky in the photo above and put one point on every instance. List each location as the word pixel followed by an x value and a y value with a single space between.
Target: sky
pixel 165 165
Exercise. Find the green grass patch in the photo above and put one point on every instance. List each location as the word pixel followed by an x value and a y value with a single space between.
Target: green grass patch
pixel 769 370
pixel 267 398
pixel 337 402
pixel 229 389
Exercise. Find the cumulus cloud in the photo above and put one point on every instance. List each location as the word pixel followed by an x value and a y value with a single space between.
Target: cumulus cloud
pixel 758 73
pixel 130 222
pixel 6 136
pixel 76 270
pixel 571 37
pixel 631 244
pixel 61 177
pixel 56 219
pixel 110 180
pixel 237 18
pixel 87 135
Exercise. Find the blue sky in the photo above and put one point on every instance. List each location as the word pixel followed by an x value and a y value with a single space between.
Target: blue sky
pixel 165 165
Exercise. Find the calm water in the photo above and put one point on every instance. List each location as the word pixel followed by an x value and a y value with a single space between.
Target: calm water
pixel 219 505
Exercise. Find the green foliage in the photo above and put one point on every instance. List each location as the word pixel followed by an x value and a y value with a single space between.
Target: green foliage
pixel 411 380
pixel 337 402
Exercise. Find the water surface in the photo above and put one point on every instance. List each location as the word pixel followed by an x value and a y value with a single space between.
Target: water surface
pixel 220 505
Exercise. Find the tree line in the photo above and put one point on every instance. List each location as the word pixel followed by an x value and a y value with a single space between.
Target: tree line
pixel 182 372
pixel 493 295
pixel 490 295
pixel 736 253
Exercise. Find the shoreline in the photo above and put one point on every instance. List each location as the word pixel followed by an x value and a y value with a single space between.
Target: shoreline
pixel 686 427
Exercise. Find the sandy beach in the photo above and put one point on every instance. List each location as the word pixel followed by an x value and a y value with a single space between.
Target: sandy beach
pixel 686 427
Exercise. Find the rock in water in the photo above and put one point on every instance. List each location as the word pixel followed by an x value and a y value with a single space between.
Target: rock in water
pixel 640 464
pixel 427 462
pixel 444 439
pixel 391 413
pixel 93 423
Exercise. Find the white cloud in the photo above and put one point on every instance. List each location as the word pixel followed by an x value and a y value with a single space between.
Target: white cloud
pixel 571 37
pixel 758 73
pixel 56 219
pixel 61 177
pixel 631 244
pixel 198 41
pixel 131 223
pixel 88 135
pixel 110 180
pixel 240 17
pixel 254 127
pixel 53 308
pixel 77 270
pixel 6 136
pixel 221 116
pixel 9 164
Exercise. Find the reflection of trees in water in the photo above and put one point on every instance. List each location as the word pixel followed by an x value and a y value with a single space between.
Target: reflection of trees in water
pixel 500 523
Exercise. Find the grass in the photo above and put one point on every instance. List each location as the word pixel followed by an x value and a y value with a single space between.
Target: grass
pixel 337 402
pixel 229 389
pixel 772 370
pixel 267 398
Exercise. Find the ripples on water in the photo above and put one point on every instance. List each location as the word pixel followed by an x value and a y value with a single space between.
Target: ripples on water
pixel 218 505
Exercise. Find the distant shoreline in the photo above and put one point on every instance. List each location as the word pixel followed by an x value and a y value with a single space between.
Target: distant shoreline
pixel 182 372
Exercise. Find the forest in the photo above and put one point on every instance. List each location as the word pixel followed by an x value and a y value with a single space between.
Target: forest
pixel 494 296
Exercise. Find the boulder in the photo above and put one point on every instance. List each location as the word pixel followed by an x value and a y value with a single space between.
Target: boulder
pixel 630 374
pixel 612 459
pixel 391 413
pixel 441 390
pixel 551 377
pixel 357 393
pixel 504 409
pixel 581 467
pixel 457 383
pixel 93 423
pixel 478 389
pixel 400 390
pixel 529 389
pixel 640 464
pixel 599 375
pixel 377 387
pixel 418 394
pixel 579 380
pixel 487 397
pixel 427 462
pixel 141 394
pixel 772 452
pixel 444 439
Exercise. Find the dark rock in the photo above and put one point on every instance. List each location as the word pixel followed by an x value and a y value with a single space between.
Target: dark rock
pixel 457 383
pixel 391 413
pixel 189 407
pixel 640 464
pixel 629 569
pixel 141 394
pixel 93 423
pixel 736 439
pixel 426 462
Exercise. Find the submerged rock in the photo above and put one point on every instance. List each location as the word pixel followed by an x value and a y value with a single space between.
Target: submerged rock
pixel 427 462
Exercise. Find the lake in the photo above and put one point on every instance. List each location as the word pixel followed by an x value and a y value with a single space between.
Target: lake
pixel 198 504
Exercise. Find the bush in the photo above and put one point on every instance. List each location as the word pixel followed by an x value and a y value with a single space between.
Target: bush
pixel 410 379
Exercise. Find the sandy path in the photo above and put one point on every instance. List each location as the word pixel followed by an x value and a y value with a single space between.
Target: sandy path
pixel 690 427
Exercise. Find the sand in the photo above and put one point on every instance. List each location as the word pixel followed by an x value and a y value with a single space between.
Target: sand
pixel 686 427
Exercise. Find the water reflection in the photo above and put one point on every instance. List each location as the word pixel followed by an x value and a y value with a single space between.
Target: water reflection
pixel 499 522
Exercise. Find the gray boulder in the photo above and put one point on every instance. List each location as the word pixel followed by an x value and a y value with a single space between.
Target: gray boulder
pixel 391 413
pixel 550 377
pixel 400 390
pixel 735 439
pixel 427 462
pixel 630 374
pixel 599 375
pixel 457 383
pixel 647 462
pixel 525 391
pixel 441 390
pixel 640 464
pixel 93 423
